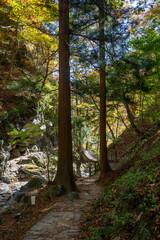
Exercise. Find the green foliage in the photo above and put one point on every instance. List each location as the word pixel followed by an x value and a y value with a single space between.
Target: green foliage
pixel 3 116
pixel 29 84
pixel 131 203
pixel 81 133
pixel 25 135
pixel 132 60
pixel 133 77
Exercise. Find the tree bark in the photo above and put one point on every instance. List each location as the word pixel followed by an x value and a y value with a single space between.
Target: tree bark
pixel 123 121
pixel 110 129
pixel 64 174
pixel 131 117
pixel 104 164
pixel 13 51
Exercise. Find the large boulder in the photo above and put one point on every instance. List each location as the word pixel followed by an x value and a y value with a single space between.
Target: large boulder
pixel 23 196
pixel 56 191
pixel 15 153
pixel 38 158
pixel 23 168
pixel 35 183
pixel 25 160
pixel 27 172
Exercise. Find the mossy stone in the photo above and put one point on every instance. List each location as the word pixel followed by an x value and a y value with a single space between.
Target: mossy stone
pixel 56 191
pixel 34 183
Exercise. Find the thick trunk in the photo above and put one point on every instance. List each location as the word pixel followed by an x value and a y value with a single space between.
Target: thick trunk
pixel 104 165
pixel 64 174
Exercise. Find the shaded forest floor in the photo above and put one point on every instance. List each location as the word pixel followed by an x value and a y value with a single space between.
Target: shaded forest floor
pixel 63 213
pixel 62 221
pixel 129 206
pixel 134 182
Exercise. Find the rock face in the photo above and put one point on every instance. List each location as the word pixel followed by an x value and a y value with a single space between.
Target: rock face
pixel 20 155
pixel 35 183
pixel 13 146
pixel 38 158
pixel 7 194
pixel 21 194
pixel 25 167
pixel 29 189
pixel 4 157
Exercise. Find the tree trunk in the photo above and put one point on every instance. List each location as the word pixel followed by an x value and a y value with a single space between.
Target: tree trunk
pixel 78 163
pixel 110 129
pixel 64 174
pixel 131 117
pixel 104 165
pixel 123 121
pixel 13 51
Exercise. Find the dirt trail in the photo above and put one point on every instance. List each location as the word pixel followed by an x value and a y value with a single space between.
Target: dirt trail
pixel 61 223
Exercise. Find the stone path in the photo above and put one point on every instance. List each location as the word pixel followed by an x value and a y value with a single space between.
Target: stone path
pixel 61 223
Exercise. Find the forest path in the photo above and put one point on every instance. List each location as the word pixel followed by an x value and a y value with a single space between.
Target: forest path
pixel 61 223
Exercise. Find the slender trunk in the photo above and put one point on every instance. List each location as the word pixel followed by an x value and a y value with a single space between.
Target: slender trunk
pixel 123 121
pixel 117 128
pixel 78 163
pixel 131 118
pixel 113 136
pixel 48 163
pixel 46 73
pixel 110 129
pixel 13 52
pixel 64 174
pixel 3 56
pixel 157 66
pixel 104 165
pixel 77 104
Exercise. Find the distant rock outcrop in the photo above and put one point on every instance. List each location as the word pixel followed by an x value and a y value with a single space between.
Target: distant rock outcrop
pixel 25 167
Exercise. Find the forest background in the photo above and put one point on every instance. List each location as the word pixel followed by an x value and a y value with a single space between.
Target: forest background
pixel 117 41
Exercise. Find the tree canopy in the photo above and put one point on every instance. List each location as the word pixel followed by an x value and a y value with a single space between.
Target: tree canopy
pixel 118 39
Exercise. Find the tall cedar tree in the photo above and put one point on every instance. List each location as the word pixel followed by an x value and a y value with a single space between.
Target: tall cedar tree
pixel 104 165
pixel 64 174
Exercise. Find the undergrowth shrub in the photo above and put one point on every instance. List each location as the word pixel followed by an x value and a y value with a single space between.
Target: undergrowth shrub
pixel 131 205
